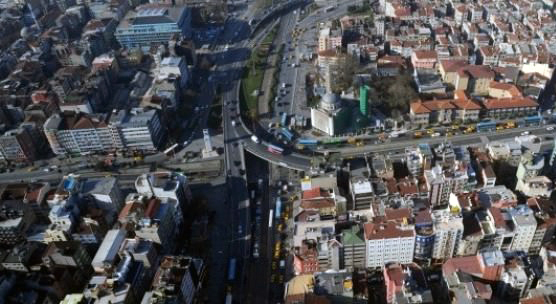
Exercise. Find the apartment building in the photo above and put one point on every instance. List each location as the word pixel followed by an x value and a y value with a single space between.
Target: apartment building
pixel 421 59
pixel 76 133
pixel 139 129
pixel 352 248
pixel 329 39
pixel 22 144
pixel 163 184
pixel 525 225
pixel 389 242
pixel 149 26
pixel 176 279
pixel 448 231
pixel 361 193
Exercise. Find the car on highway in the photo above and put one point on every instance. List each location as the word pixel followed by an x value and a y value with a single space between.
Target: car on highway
pixel 256 250
pixel 255 139
pixel 233 122
pixel 549 128
pixel 525 133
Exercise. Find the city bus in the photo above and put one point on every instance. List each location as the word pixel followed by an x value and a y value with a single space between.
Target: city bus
pixel 308 142
pixel 284 119
pixel 287 134
pixel 232 270
pixel 278 208
pixel 487 126
pixel 275 149
pixel 532 121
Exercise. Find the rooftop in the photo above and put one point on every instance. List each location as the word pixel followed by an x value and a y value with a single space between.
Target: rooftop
pixel 389 230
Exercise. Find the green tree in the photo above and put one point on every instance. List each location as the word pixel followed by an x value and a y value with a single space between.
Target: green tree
pixel 401 93
pixel 344 74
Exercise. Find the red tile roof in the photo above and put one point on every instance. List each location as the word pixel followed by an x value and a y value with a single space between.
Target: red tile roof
pixel 468 264
pixel 317 203
pixel 425 54
pixel 466 104
pixel 423 217
pixel 478 71
pixel 314 193
pixel 460 95
pixel 397 214
pixel 435 105
pixel 419 108
pixel 512 89
pixel 498 218
pixel 452 65
pixel 504 103
pixel 389 230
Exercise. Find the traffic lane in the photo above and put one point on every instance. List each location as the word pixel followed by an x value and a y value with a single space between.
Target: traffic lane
pixel 469 139
pixel 293 161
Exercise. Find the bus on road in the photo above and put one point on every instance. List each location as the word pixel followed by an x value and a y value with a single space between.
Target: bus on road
pixel 284 119
pixel 232 270
pixel 487 126
pixel 532 121
pixel 278 208
pixel 308 142
pixel 287 134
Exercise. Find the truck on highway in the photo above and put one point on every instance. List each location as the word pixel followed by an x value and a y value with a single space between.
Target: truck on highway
pixel 396 134
pixel 275 149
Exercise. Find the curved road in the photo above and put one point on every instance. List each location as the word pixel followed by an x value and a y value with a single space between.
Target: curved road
pixel 302 162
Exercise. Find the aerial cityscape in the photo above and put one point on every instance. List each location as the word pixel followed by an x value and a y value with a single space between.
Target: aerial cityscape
pixel 277 151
